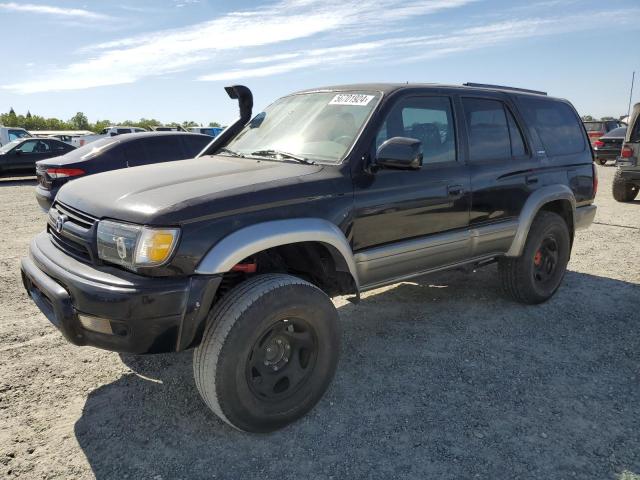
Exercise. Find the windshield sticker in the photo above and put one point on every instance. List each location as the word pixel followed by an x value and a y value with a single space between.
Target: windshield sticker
pixel 351 99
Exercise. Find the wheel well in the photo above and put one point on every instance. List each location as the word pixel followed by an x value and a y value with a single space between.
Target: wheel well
pixel 316 262
pixel 565 210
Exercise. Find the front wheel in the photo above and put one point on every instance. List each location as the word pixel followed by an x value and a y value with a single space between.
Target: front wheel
pixel 535 276
pixel 268 353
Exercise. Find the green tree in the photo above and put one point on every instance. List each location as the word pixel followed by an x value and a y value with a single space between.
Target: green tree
pixel 605 119
pixel 214 124
pixel 79 121
pixel 587 118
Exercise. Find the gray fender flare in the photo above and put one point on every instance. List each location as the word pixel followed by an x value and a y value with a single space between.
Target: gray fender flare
pixel 531 207
pixel 247 241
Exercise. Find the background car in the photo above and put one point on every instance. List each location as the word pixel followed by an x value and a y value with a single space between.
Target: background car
pixel 23 153
pixel 112 153
pixel 597 129
pixel 9 134
pixel 211 131
pixel 608 146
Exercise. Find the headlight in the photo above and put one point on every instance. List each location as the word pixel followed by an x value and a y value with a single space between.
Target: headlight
pixel 135 246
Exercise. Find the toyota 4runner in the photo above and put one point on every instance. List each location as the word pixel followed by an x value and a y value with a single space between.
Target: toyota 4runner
pixel 326 192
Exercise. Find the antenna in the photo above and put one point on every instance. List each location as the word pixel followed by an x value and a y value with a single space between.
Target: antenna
pixel 633 78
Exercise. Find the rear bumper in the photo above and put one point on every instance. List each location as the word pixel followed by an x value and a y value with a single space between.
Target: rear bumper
pixel 45 197
pixel 143 314
pixel 584 216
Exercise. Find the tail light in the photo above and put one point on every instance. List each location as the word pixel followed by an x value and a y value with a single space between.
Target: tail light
pixel 627 152
pixel 64 172
pixel 595 179
pixel 596 134
pixel 598 143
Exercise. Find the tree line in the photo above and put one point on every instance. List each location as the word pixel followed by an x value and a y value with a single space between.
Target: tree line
pixel 589 118
pixel 80 122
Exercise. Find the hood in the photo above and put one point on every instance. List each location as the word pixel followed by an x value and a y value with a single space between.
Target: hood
pixel 155 193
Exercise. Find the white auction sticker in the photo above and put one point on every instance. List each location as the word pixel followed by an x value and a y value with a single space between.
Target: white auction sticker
pixel 351 99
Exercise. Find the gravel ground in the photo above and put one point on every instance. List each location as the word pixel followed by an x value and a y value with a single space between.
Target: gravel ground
pixel 442 378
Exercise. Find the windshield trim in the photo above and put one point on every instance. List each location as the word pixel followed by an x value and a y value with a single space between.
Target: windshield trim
pixel 356 139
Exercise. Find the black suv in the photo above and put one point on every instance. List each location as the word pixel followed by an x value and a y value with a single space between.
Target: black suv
pixel 326 192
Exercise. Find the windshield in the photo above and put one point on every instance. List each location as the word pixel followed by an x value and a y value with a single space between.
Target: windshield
pixel 318 126
pixel 594 126
pixel 9 146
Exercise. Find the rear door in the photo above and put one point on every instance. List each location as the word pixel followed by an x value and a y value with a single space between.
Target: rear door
pixel 501 161
pixel 30 151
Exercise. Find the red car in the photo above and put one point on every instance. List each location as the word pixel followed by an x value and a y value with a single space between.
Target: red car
pixel 597 129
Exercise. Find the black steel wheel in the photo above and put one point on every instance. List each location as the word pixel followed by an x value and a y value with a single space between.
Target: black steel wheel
pixel 282 360
pixel 268 353
pixel 534 276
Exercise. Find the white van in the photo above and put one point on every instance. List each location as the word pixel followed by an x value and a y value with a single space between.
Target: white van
pixel 9 134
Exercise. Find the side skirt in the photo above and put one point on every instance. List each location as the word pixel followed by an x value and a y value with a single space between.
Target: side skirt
pixel 399 261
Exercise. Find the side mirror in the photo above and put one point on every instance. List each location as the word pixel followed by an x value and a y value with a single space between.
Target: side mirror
pixel 400 153
pixel 18 151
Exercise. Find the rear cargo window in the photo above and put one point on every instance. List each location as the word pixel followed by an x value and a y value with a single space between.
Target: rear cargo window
pixel 557 125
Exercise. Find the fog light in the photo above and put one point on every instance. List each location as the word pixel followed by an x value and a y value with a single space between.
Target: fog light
pixel 96 324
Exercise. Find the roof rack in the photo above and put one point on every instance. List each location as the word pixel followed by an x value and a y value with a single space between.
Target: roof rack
pixel 502 87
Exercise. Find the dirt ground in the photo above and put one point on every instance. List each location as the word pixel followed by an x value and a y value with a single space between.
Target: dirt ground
pixel 441 378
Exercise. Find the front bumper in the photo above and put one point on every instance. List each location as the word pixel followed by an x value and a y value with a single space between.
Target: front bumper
pixel 145 314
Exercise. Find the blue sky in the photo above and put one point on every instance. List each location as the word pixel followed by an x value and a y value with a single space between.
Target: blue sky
pixel 169 59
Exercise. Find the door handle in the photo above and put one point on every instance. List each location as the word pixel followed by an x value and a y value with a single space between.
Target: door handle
pixel 455 190
pixel 531 180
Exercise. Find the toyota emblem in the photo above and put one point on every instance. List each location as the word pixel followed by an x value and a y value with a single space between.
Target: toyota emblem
pixel 60 223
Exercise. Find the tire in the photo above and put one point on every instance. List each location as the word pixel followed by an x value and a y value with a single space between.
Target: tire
pixel 268 353
pixel 623 191
pixel 602 161
pixel 534 276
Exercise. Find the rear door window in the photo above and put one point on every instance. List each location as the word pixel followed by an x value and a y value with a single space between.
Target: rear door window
pixel 557 125
pixel 164 148
pixel 488 130
pixel 135 153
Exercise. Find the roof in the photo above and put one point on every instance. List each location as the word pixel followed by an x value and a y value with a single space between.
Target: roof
pixel 387 88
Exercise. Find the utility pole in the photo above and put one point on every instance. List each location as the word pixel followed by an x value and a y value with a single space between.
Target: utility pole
pixel 633 77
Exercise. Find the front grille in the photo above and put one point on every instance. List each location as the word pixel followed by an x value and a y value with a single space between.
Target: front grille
pixel 75 216
pixel 77 237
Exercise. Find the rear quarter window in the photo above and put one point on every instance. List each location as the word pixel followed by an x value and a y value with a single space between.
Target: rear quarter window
pixel 557 125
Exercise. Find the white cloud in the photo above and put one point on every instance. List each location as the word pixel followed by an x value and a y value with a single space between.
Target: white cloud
pixel 130 59
pixel 421 47
pixel 56 11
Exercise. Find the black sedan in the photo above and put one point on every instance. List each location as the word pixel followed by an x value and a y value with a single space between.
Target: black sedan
pixel 112 153
pixel 22 154
pixel 608 146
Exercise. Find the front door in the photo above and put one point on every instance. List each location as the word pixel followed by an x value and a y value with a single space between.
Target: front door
pixel 401 214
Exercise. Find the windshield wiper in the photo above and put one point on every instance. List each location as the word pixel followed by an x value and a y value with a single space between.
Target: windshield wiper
pixel 280 153
pixel 230 152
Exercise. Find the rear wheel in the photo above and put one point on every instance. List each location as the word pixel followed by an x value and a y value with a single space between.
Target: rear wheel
pixel 622 190
pixel 602 161
pixel 536 275
pixel 268 353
